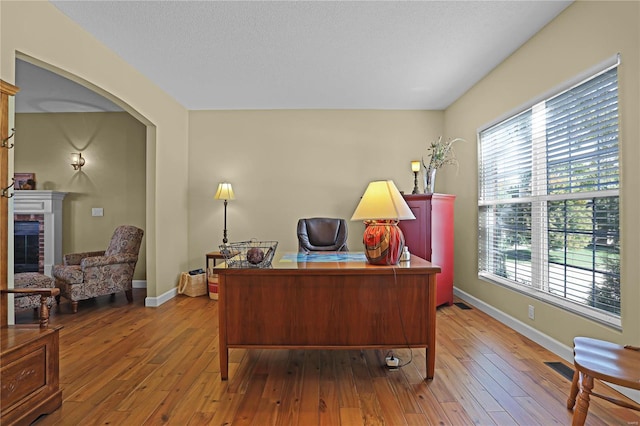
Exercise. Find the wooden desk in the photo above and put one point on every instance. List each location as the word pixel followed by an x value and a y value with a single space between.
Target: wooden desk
pixel 333 305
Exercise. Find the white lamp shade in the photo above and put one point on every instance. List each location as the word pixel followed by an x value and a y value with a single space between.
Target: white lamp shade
pixel 382 200
pixel 224 192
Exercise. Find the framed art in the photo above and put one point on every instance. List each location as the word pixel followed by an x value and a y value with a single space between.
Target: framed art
pixel 24 181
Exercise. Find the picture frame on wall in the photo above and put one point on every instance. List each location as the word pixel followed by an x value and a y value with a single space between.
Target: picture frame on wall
pixel 24 181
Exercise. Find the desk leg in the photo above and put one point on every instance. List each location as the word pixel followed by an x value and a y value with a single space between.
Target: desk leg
pixel 224 363
pixel 206 274
pixel 222 328
pixel 431 328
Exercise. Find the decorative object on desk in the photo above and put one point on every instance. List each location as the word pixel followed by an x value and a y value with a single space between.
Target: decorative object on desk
pixel 415 168
pixel 381 207
pixel 24 181
pixel 225 192
pixel 440 154
pixel 77 161
pixel 406 256
pixel 249 254
pixel 255 255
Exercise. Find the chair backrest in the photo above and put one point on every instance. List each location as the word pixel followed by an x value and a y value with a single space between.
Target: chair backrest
pixel 126 239
pixel 322 234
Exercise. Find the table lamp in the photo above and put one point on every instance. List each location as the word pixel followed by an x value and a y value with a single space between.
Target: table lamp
pixel 415 168
pixel 225 192
pixel 381 207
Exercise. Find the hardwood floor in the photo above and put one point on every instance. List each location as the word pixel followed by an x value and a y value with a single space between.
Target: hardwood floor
pixel 124 364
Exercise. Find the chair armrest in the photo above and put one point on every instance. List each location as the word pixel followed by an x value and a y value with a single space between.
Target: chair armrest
pixel 44 293
pixel 115 259
pixel 76 258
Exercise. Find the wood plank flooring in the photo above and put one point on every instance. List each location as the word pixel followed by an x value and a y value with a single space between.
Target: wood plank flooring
pixel 124 364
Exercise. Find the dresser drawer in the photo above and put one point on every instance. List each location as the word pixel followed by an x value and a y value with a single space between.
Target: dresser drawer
pixel 23 376
pixel 29 381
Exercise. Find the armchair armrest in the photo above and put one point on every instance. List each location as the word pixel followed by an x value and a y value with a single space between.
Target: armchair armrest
pixel 115 259
pixel 44 294
pixel 76 258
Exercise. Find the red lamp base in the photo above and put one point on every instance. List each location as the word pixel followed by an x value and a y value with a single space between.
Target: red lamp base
pixel 383 242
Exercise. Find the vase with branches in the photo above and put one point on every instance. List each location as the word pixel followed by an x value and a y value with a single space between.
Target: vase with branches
pixel 441 154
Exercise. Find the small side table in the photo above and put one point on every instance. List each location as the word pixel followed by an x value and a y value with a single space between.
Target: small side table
pixel 215 256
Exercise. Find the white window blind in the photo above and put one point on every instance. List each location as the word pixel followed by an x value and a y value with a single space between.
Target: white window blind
pixel 548 203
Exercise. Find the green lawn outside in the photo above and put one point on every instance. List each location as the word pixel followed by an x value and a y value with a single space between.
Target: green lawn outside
pixel 581 258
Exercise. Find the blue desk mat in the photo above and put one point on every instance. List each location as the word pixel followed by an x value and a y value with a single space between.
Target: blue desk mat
pixel 320 257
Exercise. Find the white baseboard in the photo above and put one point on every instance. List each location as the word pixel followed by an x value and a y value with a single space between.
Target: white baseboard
pixel 139 283
pixel 563 351
pixel 154 302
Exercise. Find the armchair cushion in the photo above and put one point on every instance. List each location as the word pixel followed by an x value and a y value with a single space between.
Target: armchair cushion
pixel 71 274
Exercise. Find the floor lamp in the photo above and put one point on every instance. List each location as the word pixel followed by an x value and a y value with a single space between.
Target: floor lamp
pixel 225 192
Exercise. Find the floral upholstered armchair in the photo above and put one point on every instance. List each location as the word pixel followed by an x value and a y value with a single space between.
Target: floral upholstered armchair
pixel 97 273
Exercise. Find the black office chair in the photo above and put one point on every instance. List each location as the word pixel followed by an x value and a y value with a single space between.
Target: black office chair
pixel 322 234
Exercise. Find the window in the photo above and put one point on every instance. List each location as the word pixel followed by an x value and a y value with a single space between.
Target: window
pixel 548 205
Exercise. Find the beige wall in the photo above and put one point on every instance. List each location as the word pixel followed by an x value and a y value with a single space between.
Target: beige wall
pixel 585 34
pixel 37 32
pixel 285 165
pixel 113 177
pixel 288 164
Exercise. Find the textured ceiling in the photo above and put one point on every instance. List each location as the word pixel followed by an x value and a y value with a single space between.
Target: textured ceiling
pixel 313 54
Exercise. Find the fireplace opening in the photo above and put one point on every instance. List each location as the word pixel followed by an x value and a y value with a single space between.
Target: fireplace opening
pixel 26 246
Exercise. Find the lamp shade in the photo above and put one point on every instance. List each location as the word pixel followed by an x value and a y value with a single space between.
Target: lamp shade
pixel 224 192
pixel 382 200
pixel 415 166
pixel 381 207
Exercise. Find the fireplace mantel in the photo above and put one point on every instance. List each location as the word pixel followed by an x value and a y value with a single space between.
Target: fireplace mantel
pixel 48 204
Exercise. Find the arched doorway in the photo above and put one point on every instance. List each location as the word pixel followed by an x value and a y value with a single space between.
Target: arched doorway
pixel 117 182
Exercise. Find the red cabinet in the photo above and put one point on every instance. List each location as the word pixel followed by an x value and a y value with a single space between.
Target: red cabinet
pixel 430 237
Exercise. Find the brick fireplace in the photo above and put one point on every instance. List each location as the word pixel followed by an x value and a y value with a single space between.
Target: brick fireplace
pixel 45 209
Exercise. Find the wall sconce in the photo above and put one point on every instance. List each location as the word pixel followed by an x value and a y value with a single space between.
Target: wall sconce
pixel 77 161
pixel 415 168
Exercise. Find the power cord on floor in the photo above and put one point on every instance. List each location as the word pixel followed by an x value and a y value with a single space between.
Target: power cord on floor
pixel 404 332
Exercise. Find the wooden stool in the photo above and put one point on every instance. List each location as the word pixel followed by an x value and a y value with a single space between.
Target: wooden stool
pixel 596 359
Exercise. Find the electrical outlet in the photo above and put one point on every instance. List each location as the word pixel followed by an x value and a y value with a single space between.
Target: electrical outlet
pixel 392 362
pixel 532 312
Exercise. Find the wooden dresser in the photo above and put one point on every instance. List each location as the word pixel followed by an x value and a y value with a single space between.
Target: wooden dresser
pixel 430 236
pixel 28 373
